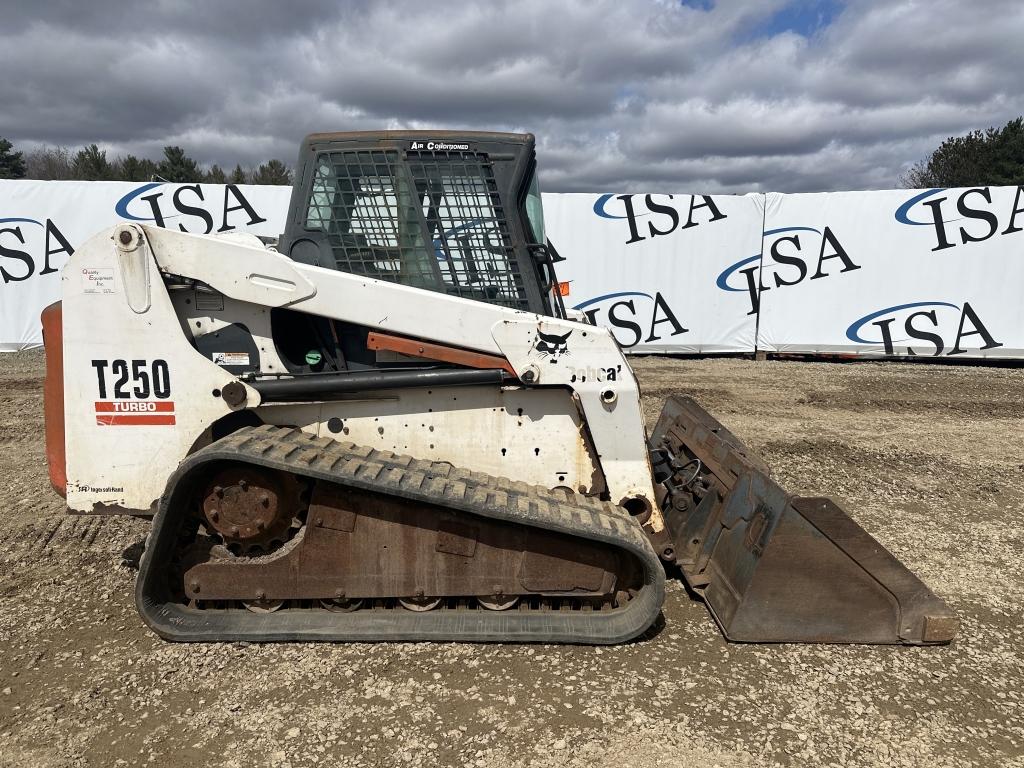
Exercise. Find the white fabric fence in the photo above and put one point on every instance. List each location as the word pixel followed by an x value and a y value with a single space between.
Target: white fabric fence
pixel 886 273
pixel 899 272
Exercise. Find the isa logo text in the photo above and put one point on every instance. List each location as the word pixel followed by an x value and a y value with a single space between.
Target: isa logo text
pixel 931 328
pixel 648 218
pixel 959 219
pixel 31 247
pixel 187 203
pixel 790 254
pixel 633 317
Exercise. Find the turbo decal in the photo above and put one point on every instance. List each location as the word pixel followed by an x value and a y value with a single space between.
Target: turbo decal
pixel 135 413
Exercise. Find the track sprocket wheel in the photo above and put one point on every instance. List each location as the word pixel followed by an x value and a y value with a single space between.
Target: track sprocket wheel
pixel 251 508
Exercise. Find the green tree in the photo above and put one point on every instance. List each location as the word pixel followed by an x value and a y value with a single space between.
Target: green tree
pixel 90 164
pixel 132 168
pixel 178 167
pixel 12 164
pixel 991 157
pixel 238 176
pixel 273 172
pixel 216 175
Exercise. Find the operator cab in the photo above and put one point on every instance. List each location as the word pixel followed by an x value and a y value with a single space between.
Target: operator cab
pixel 457 213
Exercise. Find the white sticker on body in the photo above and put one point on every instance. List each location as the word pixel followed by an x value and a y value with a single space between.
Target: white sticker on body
pixel 98 280
pixel 230 358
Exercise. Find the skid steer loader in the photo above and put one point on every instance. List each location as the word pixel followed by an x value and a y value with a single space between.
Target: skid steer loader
pixel 388 427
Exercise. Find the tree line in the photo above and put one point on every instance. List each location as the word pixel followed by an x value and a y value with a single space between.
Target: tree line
pixel 994 157
pixel 90 163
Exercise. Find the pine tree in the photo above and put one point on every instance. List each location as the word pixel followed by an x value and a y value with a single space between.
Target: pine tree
pixel 90 164
pixel 273 172
pixel 178 167
pixel 238 176
pixel 12 164
pixel 132 168
pixel 216 175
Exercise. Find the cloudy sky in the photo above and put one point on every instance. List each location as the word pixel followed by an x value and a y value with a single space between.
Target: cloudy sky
pixel 624 95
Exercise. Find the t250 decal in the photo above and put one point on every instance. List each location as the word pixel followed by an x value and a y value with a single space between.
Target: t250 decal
pixel 127 379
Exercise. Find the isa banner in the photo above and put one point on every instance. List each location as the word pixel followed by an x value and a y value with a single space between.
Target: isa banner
pixel 42 222
pixel 884 274
pixel 650 267
pixel 894 273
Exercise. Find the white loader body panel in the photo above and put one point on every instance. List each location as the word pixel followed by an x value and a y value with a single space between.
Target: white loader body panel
pixel 139 396
pixel 535 435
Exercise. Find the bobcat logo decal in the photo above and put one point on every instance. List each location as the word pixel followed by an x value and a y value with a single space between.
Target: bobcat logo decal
pixel 551 346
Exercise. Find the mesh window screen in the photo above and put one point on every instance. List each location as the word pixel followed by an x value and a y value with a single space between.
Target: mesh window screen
pixel 435 222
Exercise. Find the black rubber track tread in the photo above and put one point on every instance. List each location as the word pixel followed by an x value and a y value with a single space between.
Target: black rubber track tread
pixel 292 450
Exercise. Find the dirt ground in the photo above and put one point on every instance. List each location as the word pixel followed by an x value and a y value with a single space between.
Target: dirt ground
pixel 930 459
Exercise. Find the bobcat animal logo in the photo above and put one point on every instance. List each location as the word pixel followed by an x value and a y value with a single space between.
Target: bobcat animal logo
pixel 551 346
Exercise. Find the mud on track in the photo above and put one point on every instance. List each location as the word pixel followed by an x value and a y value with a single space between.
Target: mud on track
pixel 929 459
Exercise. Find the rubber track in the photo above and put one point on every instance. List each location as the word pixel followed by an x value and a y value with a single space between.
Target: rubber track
pixel 292 450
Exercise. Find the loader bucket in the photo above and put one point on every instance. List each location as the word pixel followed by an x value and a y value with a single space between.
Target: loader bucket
pixel 774 567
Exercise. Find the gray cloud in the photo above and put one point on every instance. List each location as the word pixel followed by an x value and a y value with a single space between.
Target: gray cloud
pixel 624 95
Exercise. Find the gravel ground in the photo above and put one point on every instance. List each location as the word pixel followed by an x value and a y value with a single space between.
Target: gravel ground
pixel 927 458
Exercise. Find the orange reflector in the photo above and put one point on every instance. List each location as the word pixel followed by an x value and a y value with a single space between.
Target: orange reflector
pixel 563 289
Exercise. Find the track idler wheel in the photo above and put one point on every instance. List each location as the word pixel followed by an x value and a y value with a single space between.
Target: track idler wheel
pixel 341 604
pixel 263 605
pixel 497 602
pixel 419 604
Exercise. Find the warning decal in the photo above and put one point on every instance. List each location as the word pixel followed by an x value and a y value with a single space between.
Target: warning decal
pixel 230 358
pixel 134 412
